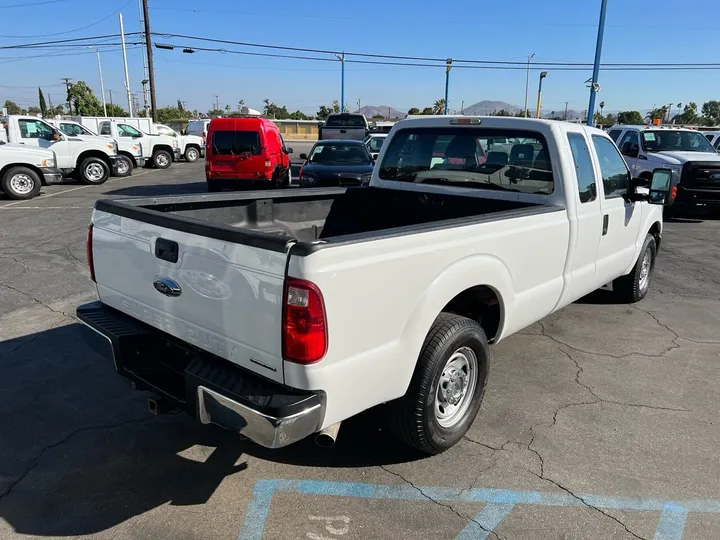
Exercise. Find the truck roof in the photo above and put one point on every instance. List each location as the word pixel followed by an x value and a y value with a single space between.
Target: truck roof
pixel 643 127
pixel 536 124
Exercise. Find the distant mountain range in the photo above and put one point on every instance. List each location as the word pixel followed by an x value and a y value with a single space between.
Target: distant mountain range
pixel 385 110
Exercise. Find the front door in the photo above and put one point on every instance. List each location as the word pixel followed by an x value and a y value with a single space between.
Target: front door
pixel 38 133
pixel 620 220
pixel 629 147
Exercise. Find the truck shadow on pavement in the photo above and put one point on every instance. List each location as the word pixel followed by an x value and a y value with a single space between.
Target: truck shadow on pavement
pixel 79 453
pixel 159 190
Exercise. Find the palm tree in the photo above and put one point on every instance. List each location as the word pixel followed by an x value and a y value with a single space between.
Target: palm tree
pixel 439 106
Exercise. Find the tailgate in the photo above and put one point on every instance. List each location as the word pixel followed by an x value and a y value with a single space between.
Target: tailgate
pixel 220 296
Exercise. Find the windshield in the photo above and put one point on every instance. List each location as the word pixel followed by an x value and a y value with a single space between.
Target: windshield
pixel 125 130
pixel 346 120
pixel 335 153
pixel 509 160
pixel 74 129
pixel 667 140
pixel 232 143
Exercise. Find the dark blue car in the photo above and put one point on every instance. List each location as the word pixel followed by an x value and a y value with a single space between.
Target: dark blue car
pixel 336 162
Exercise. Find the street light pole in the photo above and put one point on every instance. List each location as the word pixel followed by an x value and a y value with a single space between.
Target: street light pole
pixel 447 82
pixel 102 84
pixel 594 85
pixel 543 74
pixel 527 82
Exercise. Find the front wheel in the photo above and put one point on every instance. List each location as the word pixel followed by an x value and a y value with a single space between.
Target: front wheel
pixel 21 183
pixel 124 167
pixel 94 171
pixel 162 159
pixel 634 286
pixel 447 387
pixel 192 155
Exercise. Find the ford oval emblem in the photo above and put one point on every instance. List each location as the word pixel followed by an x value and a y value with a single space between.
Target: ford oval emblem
pixel 167 286
pixel 715 176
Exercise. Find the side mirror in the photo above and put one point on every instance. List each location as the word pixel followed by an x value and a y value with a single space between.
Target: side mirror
pixel 660 186
pixel 289 150
pixel 303 156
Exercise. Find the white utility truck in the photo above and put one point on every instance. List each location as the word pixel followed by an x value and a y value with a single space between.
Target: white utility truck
pixel 159 150
pixel 23 170
pixel 280 314
pixel 192 147
pixel 90 160
pixel 129 151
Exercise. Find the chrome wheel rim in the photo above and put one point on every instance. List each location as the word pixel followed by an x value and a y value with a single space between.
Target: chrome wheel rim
pixel 645 267
pixel 456 387
pixel 123 166
pixel 94 172
pixel 161 160
pixel 192 154
pixel 22 184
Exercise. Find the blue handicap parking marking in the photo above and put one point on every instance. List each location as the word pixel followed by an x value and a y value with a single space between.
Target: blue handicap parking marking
pixel 499 503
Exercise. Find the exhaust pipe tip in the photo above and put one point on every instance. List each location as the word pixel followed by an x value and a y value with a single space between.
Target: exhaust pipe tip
pixel 326 438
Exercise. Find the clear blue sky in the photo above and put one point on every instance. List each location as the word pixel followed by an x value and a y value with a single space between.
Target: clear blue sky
pixel 561 30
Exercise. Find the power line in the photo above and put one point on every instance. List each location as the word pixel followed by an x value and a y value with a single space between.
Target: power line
pixel 69 40
pixel 33 4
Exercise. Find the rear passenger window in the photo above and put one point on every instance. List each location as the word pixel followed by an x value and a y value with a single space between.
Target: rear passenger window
pixel 615 174
pixel 583 167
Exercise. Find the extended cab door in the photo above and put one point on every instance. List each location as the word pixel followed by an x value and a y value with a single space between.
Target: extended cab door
pixel 629 146
pixel 620 219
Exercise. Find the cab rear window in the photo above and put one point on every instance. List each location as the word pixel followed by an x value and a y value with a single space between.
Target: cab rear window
pixel 350 120
pixel 230 143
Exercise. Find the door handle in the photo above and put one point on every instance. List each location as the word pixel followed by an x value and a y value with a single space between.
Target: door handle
pixel 606 218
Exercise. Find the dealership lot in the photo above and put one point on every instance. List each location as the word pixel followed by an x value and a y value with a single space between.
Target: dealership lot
pixel 598 422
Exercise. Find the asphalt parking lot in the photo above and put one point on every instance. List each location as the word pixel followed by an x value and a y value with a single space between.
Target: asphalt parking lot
pixel 599 422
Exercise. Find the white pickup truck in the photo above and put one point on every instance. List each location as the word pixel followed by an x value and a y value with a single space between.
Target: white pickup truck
pixel 192 147
pixel 23 170
pixel 130 152
pixel 280 314
pixel 91 161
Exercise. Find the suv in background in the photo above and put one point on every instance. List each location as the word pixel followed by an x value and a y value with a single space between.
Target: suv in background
pixel 695 164
pixel 246 151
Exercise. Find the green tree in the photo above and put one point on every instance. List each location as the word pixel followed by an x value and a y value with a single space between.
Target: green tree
pixel 711 113
pixel 215 112
pixel 629 117
pixel 439 106
pixel 299 115
pixel 83 100
pixel 33 110
pixel 657 113
pixel 689 114
pixel 427 111
pixel 324 110
pixel 378 117
pixel 167 114
pixel 116 110
pixel 227 109
pixel 180 106
pixel 414 110
pixel 521 114
pixel 41 102
pixel 271 110
pixel 13 108
pixel 501 112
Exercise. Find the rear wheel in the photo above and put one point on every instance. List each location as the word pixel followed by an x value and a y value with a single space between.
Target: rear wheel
pixel 634 286
pixel 124 167
pixel 94 171
pixel 162 159
pixel 192 154
pixel 447 387
pixel 21 183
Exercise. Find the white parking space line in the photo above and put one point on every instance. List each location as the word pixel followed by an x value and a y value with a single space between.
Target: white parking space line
pixel 68 191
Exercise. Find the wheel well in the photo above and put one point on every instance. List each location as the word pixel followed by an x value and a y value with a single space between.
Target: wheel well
pixel 95 154
pixel 480 303
pixel 192 145
pixel 655 231
pixel 156 149
pixel 130 156
pixel 33 168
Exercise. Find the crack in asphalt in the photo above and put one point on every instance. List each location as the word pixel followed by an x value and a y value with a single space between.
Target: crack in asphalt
pixel 35 300
pixel 439 503
pixel 34 461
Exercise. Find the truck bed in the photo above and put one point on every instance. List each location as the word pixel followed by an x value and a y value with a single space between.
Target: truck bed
pixel 270 220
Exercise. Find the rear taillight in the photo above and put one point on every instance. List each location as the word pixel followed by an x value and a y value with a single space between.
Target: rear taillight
pixel 673 192
pixel 304 323
pixel 88 247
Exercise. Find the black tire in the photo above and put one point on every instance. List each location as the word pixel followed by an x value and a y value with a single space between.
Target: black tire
pixel 632 287
pixel 192 154
pixel 413 417
pixel 21 183
pixel 125 168
pixel 162 159
pixel 212 186
pixel 94 171
pixel 277 179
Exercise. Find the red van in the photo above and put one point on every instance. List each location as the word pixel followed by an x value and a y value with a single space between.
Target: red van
pixel 244 152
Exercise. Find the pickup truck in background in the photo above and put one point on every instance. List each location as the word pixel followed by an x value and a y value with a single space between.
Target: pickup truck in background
pixel 89 160
pixel 129 151
pixel 23 170
pixel 192 147
pixel 279 314
pixel 694 163
pixel 159 150
pixel 344 126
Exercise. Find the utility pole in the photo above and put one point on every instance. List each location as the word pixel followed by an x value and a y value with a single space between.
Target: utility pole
pixel 146 75
pixel 67 80
pixel 543 74
pixel 462 107
pixel 217 102
pixel 127 76
pixel 594 85
pixel 341 57
pixel 50 103
pixel 566 105
pixel 527 82
pixel 151 69
pixel 358 104
pixel 111 103
pixel 448 67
